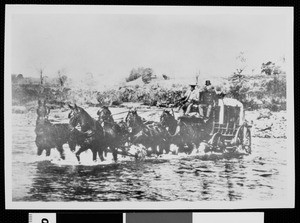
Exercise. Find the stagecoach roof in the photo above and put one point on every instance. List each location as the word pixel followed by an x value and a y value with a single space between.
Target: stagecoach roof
pixel 232 102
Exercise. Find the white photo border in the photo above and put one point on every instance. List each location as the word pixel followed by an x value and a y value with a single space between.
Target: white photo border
pixel 64 9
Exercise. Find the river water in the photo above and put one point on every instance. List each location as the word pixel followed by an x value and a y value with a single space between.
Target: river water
pixel 261 176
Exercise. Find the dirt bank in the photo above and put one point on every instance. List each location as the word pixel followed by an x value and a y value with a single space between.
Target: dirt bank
pixel 267 124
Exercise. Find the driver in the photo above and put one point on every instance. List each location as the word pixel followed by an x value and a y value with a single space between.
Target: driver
pixel 190 98
pixel 207 99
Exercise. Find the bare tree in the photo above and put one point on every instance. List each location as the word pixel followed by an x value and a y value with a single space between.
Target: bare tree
pixel 41 71
pixel 197 77
pixel 62 77
pixel 238 81
pixel 241 59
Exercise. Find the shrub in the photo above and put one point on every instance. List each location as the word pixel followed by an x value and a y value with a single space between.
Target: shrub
pixel 133 75
pixel 270 68
pixel 257 92
pixel 238 87
pixel 146 78
pixel 145 73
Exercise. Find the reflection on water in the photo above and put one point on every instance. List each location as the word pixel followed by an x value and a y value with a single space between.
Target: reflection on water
pixel 260 176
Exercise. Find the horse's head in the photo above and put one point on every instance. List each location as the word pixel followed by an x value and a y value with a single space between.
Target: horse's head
pixel 42 110
pixel 75 115
pixel 166 118
pixel 133 120
pixel 104 115
pixel 79 116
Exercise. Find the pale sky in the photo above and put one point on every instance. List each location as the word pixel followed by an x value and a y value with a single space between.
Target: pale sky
pixel 175 44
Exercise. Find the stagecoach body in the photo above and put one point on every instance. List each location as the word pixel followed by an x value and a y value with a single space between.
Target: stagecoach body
pixel 227 129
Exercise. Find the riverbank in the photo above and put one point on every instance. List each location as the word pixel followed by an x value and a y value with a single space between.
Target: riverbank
pixel 267 124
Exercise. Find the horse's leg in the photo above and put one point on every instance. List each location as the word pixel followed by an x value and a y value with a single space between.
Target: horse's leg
pixel 61 151
pixel 154 150
pixel 80 150
pixel 149 152
pixel 160 149
pixel 165 147
pixel 40 150
pixel 48 151
pixel 72 146
pixel 114 153
pixel 100 153
pixel 190 148
pixel 180 148
pixel 198 145
pixel 105 152
pixel 157 148
pixel 94 150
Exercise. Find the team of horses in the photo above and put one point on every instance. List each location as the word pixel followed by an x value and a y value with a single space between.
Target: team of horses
pixel 105 135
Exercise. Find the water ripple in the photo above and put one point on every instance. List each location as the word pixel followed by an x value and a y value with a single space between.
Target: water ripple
pixel 213 177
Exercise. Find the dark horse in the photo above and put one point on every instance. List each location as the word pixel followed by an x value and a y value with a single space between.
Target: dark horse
pixel 168 121
pixel 50 135
pixel 116 135
pixel 92 131
pixel 186 132
pixel 149 135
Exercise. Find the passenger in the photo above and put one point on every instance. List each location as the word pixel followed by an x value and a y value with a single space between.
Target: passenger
pixel 190 98
pixel 219 93
pixel 207 99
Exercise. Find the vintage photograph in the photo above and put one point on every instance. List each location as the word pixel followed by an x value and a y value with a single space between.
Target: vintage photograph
pixel 147 107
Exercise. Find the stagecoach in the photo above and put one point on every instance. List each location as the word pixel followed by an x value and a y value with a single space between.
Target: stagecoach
pixel 226 130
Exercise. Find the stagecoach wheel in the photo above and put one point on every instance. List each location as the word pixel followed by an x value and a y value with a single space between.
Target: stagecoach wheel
pixel 247 141
pixel 242 139
pixel 217 142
